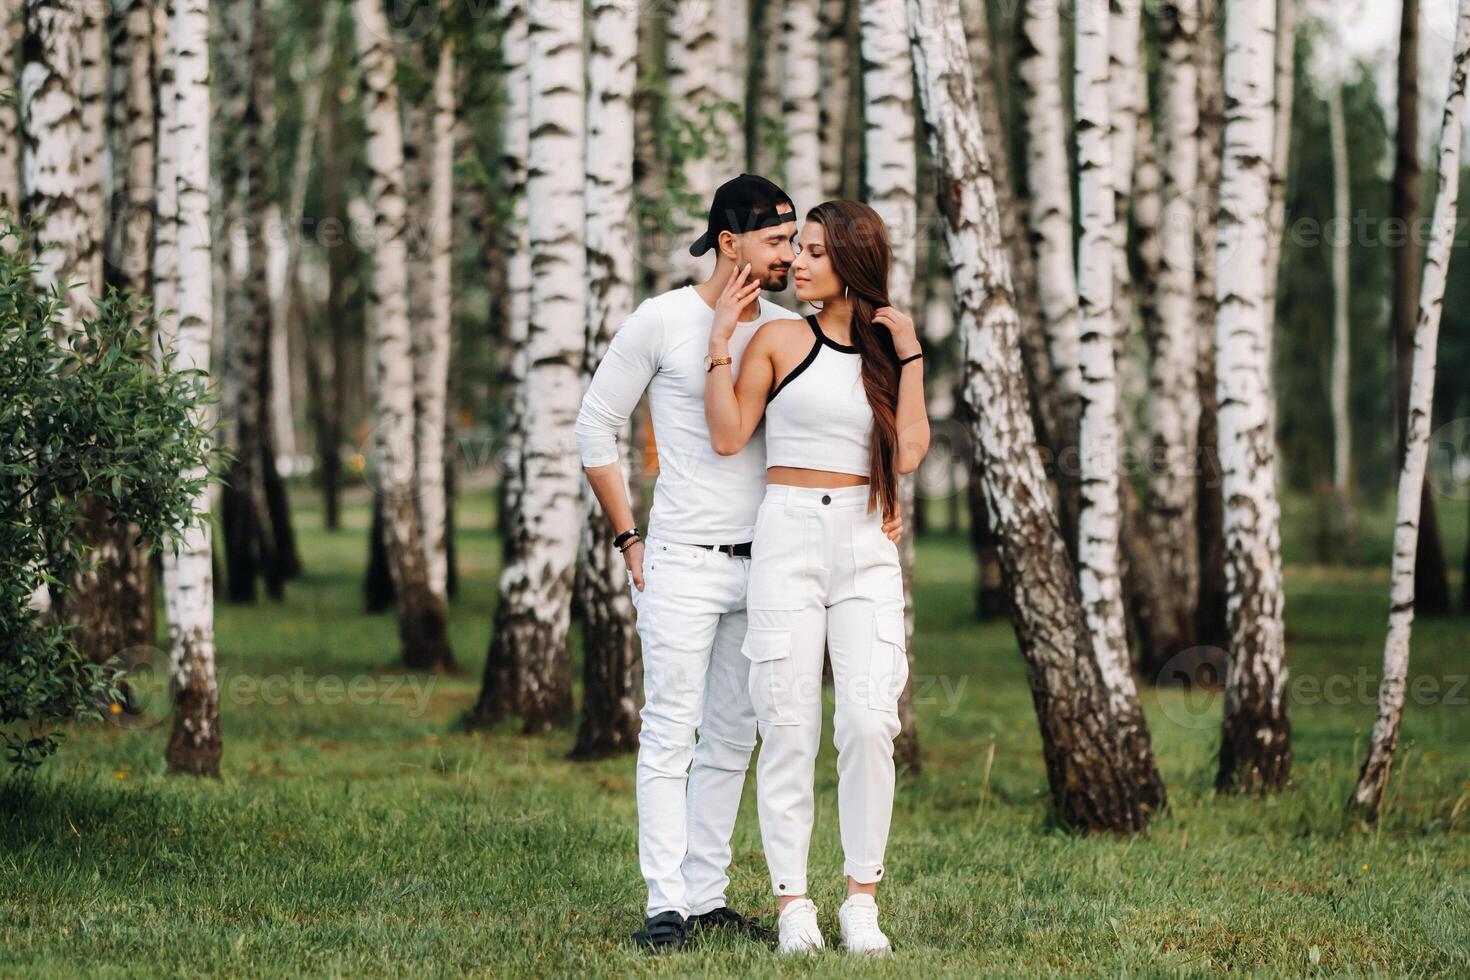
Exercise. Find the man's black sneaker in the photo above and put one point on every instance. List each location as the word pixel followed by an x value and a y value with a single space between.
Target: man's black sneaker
pixel 662 932
pixel 725 917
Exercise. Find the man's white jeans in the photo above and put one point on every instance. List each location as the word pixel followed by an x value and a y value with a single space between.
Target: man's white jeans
pixel 691 619
pixel 823 574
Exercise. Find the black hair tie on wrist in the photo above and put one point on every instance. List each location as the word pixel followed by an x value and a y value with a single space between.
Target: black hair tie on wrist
pixel 911 357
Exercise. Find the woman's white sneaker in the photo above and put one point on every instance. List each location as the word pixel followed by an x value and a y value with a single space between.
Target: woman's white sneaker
pixel 859 920
pixel 799 932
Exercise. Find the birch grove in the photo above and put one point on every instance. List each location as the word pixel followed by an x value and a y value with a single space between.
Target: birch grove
pixel 1093 783
pixel 610 644
pixel 528 670
pixel 194 745
pixel 1255 750
pixel 420 613
pixel 1373 777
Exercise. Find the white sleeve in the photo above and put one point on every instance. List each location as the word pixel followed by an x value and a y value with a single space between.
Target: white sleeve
pixel 629 365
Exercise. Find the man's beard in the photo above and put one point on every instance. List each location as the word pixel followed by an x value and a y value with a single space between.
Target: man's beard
pixel 774 280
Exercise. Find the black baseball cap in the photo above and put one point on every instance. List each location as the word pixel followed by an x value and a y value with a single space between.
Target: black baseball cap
pixel 747 203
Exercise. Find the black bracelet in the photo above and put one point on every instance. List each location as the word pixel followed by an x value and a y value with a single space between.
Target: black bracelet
pixel 911 357
pixel 632 532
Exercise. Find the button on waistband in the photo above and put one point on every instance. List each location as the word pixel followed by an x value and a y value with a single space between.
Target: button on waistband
pixel 826 498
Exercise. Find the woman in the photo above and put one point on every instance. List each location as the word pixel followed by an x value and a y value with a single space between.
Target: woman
pixel 842 395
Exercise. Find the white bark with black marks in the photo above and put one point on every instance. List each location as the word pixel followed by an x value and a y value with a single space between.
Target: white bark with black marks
pixel 1093 785
pixel 1099 434
pixel 801 90
pixel 1049 197
pixel 1373 778
pixel 421 614
pixel 195 744
pixel 1256 737
pixel 610 654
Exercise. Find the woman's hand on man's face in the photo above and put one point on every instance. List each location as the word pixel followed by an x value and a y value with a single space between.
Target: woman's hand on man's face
pixel 739 290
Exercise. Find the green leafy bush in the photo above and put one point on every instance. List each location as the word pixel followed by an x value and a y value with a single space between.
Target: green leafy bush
pixel 89 413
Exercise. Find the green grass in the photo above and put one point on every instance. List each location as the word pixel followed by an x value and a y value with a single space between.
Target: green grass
pixel 376 839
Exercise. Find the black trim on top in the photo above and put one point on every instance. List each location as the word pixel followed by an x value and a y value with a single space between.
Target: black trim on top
pixel 806 363
pixel 817 329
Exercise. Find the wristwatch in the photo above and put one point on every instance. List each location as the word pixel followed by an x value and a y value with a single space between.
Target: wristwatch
pixel 710 363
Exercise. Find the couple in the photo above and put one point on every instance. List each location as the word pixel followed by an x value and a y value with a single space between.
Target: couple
pixel 764 550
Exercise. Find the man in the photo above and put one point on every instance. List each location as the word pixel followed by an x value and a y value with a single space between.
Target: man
pixel 689 576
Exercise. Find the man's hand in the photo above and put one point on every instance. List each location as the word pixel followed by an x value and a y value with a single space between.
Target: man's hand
pixel 738 292
pixel 893 528
pixel 633 558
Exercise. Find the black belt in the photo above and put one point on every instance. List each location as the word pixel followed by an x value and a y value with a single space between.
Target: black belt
pixel 741 550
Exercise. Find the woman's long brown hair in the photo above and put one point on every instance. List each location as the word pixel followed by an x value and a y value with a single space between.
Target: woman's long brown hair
pixel 857 243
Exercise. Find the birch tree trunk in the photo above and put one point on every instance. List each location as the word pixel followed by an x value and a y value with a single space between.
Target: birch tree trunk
pixel 733 71
pixel 433 338
pixel 164 266
pixel 1049 212
pixel 1211 632
pixel 58 184
pixel 267 328
pixel 609 643
pixel 802 102
pixel 1050 413
pixel 1093 784
pixel 515 143
pixel 1099 520
pixel 194 745
pixel 1127 99
pixel 130 229
pixel 11 137
pixel 1342 431
pixel 1432 589
pixel 1173 393
pixel 249 538
pixel 892 176
pixel 528 670
pixel 1282 110
pixel 694 87
pixel 836 93
pixel 421 613
pixel 1255 749
pixel 1373 778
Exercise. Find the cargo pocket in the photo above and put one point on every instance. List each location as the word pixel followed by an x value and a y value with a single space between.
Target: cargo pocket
pixel 772 694
pixel 888 662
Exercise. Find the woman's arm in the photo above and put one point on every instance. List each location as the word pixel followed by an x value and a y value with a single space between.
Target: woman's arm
pixel 733 408
pixel 912 417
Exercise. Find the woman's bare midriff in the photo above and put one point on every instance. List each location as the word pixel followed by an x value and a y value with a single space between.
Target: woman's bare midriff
pixel 795 476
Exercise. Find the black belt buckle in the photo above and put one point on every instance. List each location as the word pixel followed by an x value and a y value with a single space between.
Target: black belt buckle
pixel 741 550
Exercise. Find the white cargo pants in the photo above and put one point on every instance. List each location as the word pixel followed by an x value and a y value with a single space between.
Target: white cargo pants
pixel 691 620
pixel 823 574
